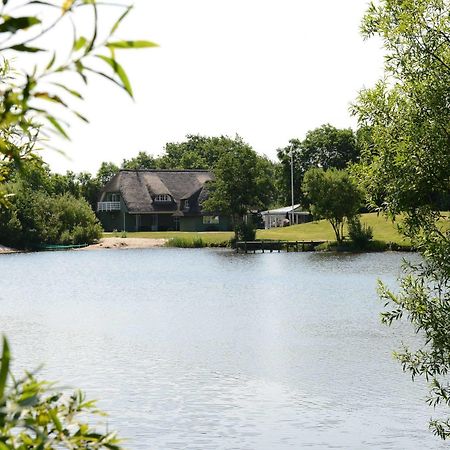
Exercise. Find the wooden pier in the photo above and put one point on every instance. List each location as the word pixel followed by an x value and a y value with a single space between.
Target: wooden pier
pixel 263 245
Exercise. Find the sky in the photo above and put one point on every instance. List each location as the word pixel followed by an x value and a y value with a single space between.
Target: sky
pixel 266 70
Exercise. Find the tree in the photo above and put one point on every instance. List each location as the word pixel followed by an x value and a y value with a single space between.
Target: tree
pixel 106 171
pixel 323 147
pixel 300 166
pixel 242 181
pixel 52 211
pixel 197 152
pixel 405 168
pixel 333 196
pixel 142 161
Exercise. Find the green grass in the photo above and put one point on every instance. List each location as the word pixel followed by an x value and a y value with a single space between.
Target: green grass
pixel 208 237
pixel 185 242
pixel 383 230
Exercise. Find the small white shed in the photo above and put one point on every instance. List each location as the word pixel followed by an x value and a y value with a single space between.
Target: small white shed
pixel 276 217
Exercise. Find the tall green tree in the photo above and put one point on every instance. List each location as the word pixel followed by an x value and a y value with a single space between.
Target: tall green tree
pixel 196 152
pixel 405 168
pixel 143 160
pixel 243 182
pixel 106 171
pixel 325 147
pixel 334 196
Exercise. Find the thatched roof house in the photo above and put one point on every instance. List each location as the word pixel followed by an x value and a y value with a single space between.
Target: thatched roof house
pixel 135 200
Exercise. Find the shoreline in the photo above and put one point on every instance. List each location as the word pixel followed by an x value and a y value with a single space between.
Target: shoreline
pixel 104 243
pixel 124 243
pixel 119 243
pixel 7 250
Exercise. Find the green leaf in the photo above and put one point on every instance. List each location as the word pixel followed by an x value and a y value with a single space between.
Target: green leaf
pixel 51 62
pixel 118 69
pixel 79 43
pixel 13 24
pixel 70 91
pixel 4 367
pixel 80 116
pixel 57 126
pixel 55 420
pixel 80 69
pixel 91 44
pixel 25 48
pixel 131 44
pixel 97 72
pixel 50 98
pixel 115 26
pixel 40 2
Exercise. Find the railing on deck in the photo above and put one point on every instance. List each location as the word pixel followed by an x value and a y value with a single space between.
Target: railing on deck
pixel 108 206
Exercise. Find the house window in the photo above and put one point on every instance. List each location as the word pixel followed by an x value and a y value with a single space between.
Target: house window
pixel 162 198
pixel 210 220
pixel 186 204
pixel 114 197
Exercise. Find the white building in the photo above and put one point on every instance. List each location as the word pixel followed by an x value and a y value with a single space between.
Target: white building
pixel 277 217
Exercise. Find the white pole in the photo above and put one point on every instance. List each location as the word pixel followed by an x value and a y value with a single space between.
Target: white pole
pixel 292 184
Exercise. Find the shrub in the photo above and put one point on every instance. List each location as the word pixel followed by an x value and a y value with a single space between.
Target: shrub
pixel 35 416
pixel 40 218
pixel 359 234
pixel 246 232
pixel 180 242
pixel 349 246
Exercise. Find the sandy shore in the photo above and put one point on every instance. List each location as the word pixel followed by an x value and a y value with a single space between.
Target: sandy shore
pixel 116 242
pixel 110 242
pixel 4 249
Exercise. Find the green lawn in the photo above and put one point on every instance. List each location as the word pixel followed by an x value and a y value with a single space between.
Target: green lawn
pixel 320 230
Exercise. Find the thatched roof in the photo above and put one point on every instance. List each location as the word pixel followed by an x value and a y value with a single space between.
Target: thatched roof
pixel 139 188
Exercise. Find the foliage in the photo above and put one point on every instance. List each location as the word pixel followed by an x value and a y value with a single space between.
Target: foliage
pixel 197 152
pixel 36 103
pixel 333 196
pixel 35 416
pixel 324 147
pixel 41 215
pixel 405 167
pixel 371 246
pixel 242 183
pixel 360 234
pixel 181 242
pixel 142 161
pixel 246 231
pixel 106 171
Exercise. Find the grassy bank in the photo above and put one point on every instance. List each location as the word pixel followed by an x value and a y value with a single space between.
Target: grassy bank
pixel 209 238
pixel 383 230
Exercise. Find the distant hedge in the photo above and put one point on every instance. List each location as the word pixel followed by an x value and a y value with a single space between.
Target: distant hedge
pixel 36 217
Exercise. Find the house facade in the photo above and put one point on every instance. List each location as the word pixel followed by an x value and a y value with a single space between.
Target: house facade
pixel 158 200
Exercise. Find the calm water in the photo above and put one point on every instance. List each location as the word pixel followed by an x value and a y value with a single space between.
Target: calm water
pixel 204 349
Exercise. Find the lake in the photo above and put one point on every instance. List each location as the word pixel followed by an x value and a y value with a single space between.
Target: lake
pixel 206 349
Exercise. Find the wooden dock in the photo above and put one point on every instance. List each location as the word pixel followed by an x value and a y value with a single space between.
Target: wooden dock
pixel 266 245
